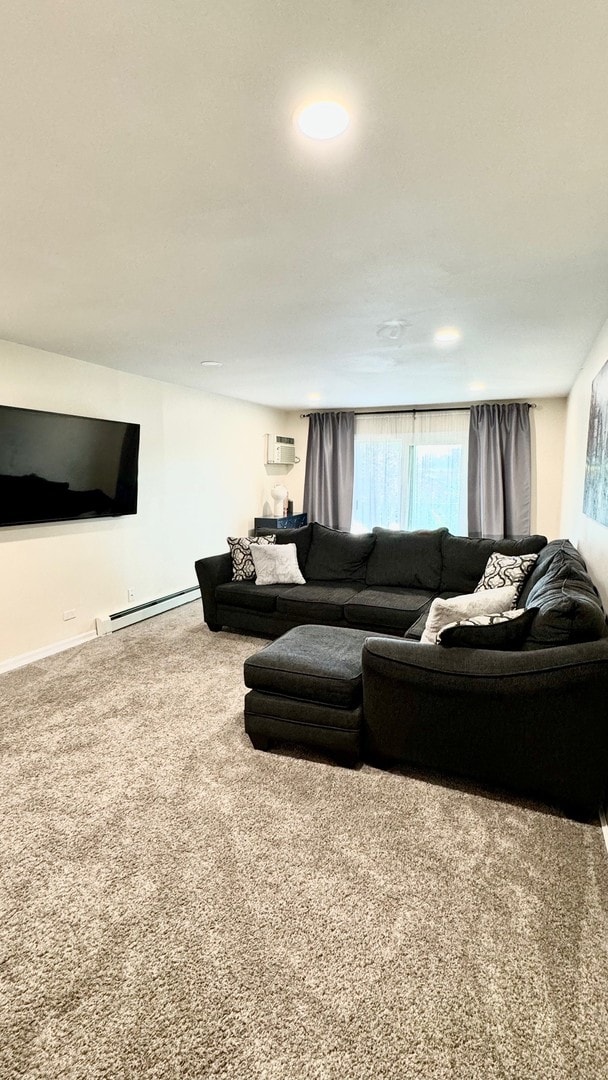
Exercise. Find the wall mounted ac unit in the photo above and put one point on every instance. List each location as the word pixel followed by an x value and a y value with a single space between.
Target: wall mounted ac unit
pixel 280 450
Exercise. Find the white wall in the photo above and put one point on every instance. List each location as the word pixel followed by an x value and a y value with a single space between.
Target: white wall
pixel 202 477
pixel 548 435
pixel 590 537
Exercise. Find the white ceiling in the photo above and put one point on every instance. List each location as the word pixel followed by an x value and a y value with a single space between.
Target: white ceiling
pixel 157 208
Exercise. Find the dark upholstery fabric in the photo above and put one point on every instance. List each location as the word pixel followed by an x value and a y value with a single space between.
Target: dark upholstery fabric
pixel 336 555
pixel 317 601
pixel 248 595
pixel 273 718
pixel 570 609
pixel 300 712
pixel 390 608
pixel 464 558
pixel 510 634
pixel 411 560
pixel 211 572
pixel 560 553
pixel 530 722
pixel 300 537
pixel 312 663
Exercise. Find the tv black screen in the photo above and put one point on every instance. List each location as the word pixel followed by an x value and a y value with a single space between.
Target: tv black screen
pixel 56 467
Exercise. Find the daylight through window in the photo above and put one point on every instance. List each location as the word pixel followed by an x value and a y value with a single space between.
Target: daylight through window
pixel 411 471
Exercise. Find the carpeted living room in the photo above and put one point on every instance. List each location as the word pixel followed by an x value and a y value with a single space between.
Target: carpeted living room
pixel 304 542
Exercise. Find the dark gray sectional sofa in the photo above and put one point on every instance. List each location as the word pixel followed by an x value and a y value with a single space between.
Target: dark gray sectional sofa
pixel 531 719
pixel 383 581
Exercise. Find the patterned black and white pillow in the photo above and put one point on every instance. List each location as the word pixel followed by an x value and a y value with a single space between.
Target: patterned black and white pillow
pixel 505 570
pixel 240 550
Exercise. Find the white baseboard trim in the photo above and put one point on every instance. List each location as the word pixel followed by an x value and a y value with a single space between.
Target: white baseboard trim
pixel 46 650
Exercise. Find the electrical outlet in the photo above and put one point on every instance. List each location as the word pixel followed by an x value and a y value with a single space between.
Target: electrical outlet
pixel 70 614
pixel 130 594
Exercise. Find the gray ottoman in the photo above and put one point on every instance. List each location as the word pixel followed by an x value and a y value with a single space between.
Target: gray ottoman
pixel 306 688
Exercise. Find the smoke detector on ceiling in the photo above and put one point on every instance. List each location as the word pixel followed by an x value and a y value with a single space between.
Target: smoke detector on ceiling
pixel 392 330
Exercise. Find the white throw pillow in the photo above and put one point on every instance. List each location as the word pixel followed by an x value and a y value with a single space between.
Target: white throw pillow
pixel 277 565
pixel 505 570
pixel 484 602
pixel 240 549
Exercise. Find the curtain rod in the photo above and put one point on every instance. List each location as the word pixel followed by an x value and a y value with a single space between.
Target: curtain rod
pixel 405 412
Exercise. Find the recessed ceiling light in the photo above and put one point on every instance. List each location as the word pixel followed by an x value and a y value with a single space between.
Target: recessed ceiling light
pixel 322 120
pixel 476 387
pixel 447 335
pixel 314 397
pixel 211 363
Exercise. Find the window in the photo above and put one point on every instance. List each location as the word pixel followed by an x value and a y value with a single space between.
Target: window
pixel 411 471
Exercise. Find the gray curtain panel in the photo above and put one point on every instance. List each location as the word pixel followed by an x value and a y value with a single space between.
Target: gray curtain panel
pixel 499 471
pixel 330 465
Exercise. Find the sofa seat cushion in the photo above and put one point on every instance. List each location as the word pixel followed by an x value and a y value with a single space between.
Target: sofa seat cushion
pixel 317 601
pixel 337 556
pixel 410 560
pixel 465 558
pixel 393 608
pixel 311 663
pixel 248 595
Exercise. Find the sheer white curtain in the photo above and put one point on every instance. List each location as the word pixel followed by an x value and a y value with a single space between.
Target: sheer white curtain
pixel 411 470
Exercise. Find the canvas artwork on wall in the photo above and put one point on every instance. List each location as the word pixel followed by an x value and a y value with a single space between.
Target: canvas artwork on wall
pixel 595 502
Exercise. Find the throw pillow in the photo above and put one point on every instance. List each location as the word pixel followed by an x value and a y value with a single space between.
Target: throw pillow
pixel 240 550
pixel 505 570
pixel 486 602
pixel 508 630
pixel 277 565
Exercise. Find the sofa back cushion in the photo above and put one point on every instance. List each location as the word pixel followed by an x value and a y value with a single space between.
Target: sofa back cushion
pixel 556 553
pixel 411 560
pixel 569 606
pixel 302 538
pixel 465 558
pixel 337 556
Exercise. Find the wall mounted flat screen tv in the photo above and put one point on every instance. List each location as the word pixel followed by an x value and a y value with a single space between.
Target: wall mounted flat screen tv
pixel 56 467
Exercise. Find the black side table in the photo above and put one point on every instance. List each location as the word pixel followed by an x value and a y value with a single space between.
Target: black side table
pixel 292 521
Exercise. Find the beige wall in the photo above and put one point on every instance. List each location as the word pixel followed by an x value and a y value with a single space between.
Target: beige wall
pixel 590 537
pixel 202 476
pixel 548 433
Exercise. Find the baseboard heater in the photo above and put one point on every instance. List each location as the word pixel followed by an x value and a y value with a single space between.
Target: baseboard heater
pixel 107 624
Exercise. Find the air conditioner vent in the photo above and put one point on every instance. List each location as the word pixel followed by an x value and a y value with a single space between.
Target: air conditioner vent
pixel 280 450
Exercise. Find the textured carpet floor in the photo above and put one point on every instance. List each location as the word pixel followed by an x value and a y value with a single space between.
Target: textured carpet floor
pixel 176 905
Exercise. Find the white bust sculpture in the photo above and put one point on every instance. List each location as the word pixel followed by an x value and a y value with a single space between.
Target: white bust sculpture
pixel 279 493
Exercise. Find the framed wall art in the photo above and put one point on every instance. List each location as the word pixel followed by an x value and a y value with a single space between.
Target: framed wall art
pixel 595 499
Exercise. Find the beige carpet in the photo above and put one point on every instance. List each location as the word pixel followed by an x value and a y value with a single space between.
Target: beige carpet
pixel 176 905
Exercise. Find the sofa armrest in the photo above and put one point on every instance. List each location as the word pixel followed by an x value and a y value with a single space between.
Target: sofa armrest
pixel 212 571
pixel 531 721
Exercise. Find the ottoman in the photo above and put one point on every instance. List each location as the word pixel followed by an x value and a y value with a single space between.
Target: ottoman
pixel 306 688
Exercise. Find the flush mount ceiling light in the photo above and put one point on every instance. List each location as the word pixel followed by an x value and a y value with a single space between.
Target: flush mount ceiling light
pixel 211 363
pixel 447 335
pixel 322 120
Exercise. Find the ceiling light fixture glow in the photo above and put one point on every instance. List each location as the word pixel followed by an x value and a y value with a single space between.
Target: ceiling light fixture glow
pixel 447 335
pixel 211 363
pixel 322 120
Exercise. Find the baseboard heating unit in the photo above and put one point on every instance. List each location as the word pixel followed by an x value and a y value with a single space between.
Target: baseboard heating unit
pixel 107 624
